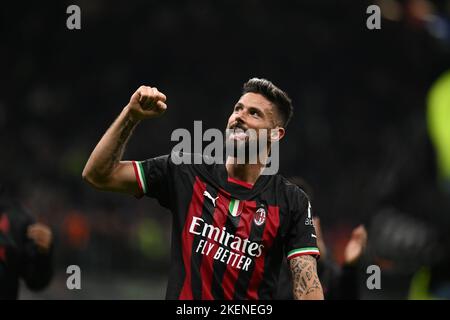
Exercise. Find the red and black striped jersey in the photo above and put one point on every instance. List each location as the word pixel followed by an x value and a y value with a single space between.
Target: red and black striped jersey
pixel 228 237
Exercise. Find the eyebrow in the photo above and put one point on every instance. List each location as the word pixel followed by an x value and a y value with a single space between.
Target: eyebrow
pixel 259 110
pixel 240 104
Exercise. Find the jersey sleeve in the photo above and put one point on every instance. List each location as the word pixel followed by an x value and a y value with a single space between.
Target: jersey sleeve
pixel 301 236
pixel 154 177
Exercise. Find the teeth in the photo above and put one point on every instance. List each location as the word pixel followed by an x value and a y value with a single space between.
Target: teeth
pixel 238 134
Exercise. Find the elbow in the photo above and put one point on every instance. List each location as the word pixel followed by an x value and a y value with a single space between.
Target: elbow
pixel 90 178
pixel 86 175
pixel 97 180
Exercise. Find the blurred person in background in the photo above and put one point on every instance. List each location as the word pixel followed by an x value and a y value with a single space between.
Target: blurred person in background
pixel 413 255
pixel 338 282
pixel 25 249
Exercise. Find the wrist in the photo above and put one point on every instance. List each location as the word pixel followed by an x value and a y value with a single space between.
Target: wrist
pixel 128 115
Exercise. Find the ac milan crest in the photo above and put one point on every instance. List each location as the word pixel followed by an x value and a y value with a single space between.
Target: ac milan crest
pixel 260 216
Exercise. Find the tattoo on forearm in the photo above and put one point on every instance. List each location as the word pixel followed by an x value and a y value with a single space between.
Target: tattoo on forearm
pixel 119 147
pixel 305 279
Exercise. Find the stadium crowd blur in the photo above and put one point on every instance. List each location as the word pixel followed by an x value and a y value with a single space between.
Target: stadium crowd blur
pixel 360 135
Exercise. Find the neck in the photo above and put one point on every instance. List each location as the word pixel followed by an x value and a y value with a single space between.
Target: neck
pixel 245 172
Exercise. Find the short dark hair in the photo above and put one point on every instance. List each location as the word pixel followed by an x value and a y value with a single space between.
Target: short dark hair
pixel 275 95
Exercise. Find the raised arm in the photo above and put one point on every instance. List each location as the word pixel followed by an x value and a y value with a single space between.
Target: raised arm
pixel 104 170
pixel 306 284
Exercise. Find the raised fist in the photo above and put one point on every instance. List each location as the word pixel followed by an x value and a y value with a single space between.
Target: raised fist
pixel 147 103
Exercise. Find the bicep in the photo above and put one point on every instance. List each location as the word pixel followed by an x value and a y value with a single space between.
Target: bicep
pixel 306 284
pixel 123 179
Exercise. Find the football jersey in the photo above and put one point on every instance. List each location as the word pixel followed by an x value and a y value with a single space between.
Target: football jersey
pixel 228 237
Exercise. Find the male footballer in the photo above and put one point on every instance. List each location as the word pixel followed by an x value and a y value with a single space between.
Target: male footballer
pixel 232 225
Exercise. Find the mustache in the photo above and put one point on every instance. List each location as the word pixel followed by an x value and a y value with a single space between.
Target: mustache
pixel 238 125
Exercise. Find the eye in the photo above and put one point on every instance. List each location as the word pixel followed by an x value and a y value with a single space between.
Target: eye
pixel 237 108
pixel 254 113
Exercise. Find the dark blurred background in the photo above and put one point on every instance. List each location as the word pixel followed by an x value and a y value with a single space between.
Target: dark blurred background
pixel 368 134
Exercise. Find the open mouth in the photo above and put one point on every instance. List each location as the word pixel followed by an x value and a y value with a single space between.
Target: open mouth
pixel 238 133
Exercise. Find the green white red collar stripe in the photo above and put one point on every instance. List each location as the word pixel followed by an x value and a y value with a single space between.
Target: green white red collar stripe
pixel 140 176
pixel 303 251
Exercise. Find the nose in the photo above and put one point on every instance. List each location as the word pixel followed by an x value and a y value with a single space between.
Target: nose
pixel 239 119
pixel 240 116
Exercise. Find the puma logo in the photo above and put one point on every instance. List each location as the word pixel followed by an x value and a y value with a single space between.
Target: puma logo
pixel 206 194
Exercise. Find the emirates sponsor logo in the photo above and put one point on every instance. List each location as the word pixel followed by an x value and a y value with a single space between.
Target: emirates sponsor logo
pixel 224 246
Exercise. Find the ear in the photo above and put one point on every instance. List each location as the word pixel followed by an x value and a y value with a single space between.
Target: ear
pixel 277 133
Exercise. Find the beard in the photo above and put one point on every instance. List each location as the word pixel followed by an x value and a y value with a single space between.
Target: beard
pixel 246 146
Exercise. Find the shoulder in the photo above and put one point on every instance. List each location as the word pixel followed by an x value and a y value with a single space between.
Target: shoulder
pixel 290 188
pixel 186 158
pixel 195 163
pixel 294 196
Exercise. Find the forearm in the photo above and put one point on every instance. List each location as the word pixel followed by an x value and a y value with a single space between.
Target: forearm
pixel 306 284
pixel 109 150
pixel 104 170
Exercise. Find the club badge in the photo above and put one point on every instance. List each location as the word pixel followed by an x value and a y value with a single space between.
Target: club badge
pixel 260 216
